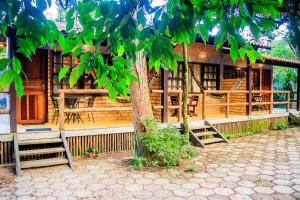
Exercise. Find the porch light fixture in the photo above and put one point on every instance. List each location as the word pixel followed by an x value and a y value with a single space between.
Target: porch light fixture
pixel 260 65
pixel 202 54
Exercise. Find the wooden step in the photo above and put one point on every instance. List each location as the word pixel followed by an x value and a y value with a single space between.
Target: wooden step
pixel 44 162
pixel 212 140
pixel 201 134
pixel 40 141
pixel 41 151
pixel 200 127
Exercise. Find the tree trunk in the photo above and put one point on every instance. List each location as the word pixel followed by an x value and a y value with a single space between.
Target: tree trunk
pixel 185 89
pixel 140 98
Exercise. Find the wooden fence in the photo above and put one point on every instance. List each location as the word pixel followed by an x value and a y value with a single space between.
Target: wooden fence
pixel 171 107
pixel 63 110
pixel 227 102
pixel 78 145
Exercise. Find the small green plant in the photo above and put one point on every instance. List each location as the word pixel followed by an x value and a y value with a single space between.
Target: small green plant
pixel 138 163
pixel 191 168
pixel 280 124
pixel 164 146
pixel 90 153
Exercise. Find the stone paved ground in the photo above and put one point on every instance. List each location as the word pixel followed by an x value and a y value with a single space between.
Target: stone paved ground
pixel 264 167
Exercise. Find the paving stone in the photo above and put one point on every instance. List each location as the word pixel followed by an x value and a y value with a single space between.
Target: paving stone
pixel 263 190
pixel 240 197
pixel 204 192
pixel 134 188
pixel 224 191
pixel 244 190
pixel 162 193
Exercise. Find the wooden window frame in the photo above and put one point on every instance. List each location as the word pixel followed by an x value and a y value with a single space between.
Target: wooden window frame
pixel 203 65
pixel 81 84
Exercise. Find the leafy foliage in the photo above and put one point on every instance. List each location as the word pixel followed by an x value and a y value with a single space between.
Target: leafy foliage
pixel 126 28
pixel 165 146
pixel 25 22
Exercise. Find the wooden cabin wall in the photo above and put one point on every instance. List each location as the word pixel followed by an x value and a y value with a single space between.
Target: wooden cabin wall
pixel 101 101
pixel 226 84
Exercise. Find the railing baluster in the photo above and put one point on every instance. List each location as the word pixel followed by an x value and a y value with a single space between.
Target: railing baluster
pixel 204 106
pixel 228 104
pixel 61 111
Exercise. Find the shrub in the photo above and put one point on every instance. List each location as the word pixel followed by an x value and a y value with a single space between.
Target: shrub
pixel 191 168
pixel 164 146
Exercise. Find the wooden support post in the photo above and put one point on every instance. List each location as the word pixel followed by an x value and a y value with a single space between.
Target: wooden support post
pixel 179 106
pixel 204 106
pixel 271 101
pixel 165 96
pixel 298 89
pixel 17 156
pixel 11 45
pixel 249 87
pixel 288 99
pixel 61 111
pixel 228 104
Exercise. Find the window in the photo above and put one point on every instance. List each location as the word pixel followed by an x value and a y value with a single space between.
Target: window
pixel 175 80
pixel 210 77
pixel 86 81
pixel 256 79
pixel 231 72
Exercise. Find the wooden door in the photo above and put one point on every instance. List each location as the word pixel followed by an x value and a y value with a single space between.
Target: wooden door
pixel 31 109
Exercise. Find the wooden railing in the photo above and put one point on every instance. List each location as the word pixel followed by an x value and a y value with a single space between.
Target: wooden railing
pixel 227 102
pixel 63 110
pixel 171 107
pixel 5 110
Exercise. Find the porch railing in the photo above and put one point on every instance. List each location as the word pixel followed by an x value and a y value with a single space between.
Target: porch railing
pixel 228 102
pixel 63 110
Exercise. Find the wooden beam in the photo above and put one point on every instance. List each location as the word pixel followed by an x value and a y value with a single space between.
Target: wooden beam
pixel 298 89
pixel 165 96
pixel 249 87
pixel 10 53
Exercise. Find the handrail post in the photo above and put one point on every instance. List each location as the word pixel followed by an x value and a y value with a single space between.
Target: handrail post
pixel 271 102
pixel 179 106
pixel 228 103
pixel 288 101
pixel 204 106
pixel 61 111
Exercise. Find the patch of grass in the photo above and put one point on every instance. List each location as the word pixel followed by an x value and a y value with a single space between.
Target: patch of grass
pixel 280 124
pixel 191 168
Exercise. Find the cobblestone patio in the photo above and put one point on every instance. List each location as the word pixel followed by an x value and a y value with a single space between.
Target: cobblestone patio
pixel 265 166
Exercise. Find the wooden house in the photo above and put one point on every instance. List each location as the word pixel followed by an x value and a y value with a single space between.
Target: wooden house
pixel 221 92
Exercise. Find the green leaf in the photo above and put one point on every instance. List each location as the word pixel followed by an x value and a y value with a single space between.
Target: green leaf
pixel 280 2
pixel 204 32
pixel 19 86
pixel 17 65
pixel 70 25
pixel 3 63
pixel 233 49
pixel 41 4
pixel 254 30
pixel 63 72
pixel 121 50
pixel 6 78
pixel 233 2
pixel 70 14
pixel 77 52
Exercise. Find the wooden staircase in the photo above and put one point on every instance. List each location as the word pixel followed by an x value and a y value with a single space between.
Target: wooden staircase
pixel 40 150
pixel 205 134
pixel 295 117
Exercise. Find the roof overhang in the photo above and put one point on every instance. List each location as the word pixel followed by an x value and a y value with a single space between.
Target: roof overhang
pixel 280 62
